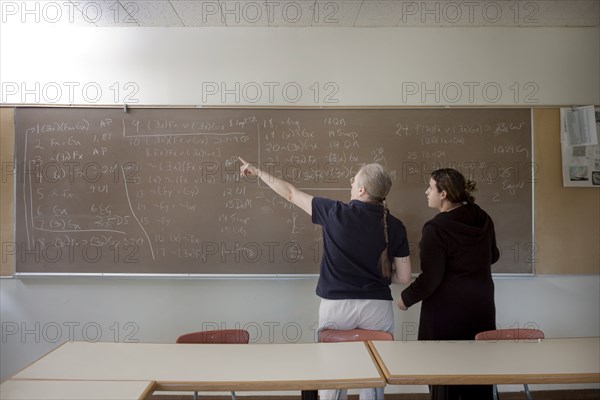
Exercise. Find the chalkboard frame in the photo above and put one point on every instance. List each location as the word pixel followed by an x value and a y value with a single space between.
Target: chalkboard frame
pixel 277 275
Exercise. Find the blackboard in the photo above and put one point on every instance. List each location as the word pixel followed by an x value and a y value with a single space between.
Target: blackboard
pixel 157 190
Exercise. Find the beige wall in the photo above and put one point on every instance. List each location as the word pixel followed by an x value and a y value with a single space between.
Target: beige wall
pixel 7 144
pixel 567 219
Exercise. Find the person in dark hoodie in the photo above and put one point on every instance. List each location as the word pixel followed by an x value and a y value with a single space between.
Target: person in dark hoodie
pixel 457 250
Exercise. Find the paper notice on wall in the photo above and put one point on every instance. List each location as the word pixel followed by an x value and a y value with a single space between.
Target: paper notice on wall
pixel 579 144
pixel 580 126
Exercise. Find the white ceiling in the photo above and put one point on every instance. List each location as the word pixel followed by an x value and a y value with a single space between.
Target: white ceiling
pixel 301 13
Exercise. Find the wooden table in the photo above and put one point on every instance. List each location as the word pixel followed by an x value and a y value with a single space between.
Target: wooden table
pixel 571 360
pixel 15 389
pixel 215 367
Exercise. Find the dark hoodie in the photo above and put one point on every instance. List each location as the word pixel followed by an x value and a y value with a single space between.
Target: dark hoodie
pixel 457 250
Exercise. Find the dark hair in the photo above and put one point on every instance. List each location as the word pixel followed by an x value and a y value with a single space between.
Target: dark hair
pixel 458 189
pixel 377 184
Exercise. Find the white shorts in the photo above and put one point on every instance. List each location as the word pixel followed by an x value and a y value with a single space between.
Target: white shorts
pixel 375 315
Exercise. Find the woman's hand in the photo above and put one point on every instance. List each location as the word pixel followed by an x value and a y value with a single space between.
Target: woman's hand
pixel 401 304
pixel 247 169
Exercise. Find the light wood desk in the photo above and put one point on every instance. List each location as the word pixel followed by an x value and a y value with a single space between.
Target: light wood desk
pixel 573 360
pixel 75 390
pixel 214 367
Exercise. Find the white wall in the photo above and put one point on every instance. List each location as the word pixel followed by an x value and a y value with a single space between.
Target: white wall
pixel 457 66
pixel 40 313
pixel 295 66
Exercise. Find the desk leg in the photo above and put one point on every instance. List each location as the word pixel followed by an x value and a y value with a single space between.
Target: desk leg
pixel 310 394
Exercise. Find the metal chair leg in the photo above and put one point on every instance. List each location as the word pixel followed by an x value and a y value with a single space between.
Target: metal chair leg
pixel 338 394
pixel 233 396
pixel 527 392
pixel 495 390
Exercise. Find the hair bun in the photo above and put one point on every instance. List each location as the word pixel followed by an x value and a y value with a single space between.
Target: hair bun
pixel 470 186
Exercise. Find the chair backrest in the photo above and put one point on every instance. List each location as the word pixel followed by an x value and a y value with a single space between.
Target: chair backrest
pixel 216 336
pixel 510 334
pixel 354 335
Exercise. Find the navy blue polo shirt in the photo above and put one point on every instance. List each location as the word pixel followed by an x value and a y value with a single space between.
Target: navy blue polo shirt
pixel 353 240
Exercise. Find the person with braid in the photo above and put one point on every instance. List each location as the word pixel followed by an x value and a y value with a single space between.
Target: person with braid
pixel 365 249
pixel 457 250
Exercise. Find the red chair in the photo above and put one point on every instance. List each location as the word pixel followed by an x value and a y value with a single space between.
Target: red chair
pixel 511 334
pixel 239 336
pixel 354 335
pixel 224 336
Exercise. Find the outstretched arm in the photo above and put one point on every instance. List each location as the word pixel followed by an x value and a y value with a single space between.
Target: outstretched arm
pixel 281 187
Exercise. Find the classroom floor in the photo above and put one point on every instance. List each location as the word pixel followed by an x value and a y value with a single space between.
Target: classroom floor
pixel 590 394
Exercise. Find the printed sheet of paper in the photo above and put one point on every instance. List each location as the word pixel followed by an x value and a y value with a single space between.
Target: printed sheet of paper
pixel 579 144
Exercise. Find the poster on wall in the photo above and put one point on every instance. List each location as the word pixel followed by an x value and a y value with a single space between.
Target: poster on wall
pixel 579 146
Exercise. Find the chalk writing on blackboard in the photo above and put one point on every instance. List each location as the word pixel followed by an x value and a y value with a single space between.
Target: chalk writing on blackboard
pixel 158 190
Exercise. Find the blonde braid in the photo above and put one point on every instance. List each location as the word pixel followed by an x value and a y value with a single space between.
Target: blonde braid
pixel 377 183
